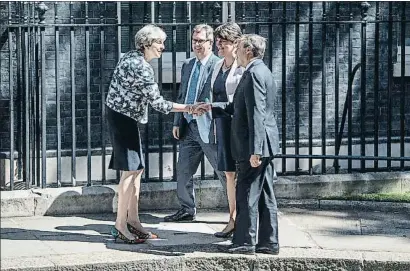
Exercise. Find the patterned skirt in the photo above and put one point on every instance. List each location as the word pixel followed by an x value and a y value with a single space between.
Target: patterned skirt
pixel 125 137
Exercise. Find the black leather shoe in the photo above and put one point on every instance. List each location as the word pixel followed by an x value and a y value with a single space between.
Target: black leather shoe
pixel 180 216
pixel 267 250
pixel 222 234
pixel 237 249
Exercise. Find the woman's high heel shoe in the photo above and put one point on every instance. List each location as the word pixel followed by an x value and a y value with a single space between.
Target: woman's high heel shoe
pixel 140 234
pixel 222 234
pixel 117 234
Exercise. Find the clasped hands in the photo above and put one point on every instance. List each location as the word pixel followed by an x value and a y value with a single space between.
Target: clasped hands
pixel 200 108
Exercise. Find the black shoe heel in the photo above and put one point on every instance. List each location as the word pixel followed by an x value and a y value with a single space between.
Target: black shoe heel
pixel 117 234
pixel 222 234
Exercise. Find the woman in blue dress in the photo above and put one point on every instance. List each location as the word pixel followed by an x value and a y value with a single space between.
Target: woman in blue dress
pixel 225 78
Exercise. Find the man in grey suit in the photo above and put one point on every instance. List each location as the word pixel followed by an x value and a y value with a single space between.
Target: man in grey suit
pixel 255 141
pixel 195 87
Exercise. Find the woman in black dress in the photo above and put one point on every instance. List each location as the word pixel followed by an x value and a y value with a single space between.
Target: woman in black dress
pixel 132 88
pixel 225 78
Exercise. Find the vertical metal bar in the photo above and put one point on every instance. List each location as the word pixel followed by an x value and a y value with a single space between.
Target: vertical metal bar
pixel 310 86
pixel 189 29
pixel 363 87
pixel 57 85
pixel 20 104
pixel 284 93
pixel 73 90
pixel 130 27
pixel 174 84
pixel 37 101
pixel 26 172
pixel 403 86
pixel 202 12
pixel 337 51
pixel 43 110
pixel 11 92
pixel 324 87
pixel 389 82
pixel 270 36
pixel 243 17
pixel 160 116
pixel 257 18
pixel 147 132
pixel 297 86
pixel 102 89
pixel 88 85
pixel 229 5
pixel 33 91
pixel 118 19
pixel 376 86
pixel 350 91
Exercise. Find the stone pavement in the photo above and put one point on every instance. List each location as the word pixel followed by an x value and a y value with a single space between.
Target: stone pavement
pixel 310 239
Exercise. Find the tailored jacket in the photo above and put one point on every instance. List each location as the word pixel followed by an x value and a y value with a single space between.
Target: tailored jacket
pixel 203 95
pixel 231 84
pixel 254 129
pixel 133 87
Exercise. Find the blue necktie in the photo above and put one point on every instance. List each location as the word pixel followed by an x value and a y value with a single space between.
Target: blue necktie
pixel 191 95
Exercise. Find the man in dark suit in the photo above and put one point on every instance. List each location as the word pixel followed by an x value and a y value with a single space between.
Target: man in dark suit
pixel 255 141
pixel 195 87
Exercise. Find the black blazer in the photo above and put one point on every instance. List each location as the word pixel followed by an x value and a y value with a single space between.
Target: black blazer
pixel 254 128
pixel 204 90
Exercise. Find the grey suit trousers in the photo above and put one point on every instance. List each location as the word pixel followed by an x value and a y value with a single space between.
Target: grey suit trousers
pixel 191 151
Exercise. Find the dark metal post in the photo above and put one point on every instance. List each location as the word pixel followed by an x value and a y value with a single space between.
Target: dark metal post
pixel 58 94
pixel 376 86
pixel 284 93
pixel 160 115
pixel 88 89
pixel 42 8
pixel 11 93
pixel 389 82
pixel 337 50
pixel 257 18
pixel 26 61
pixel 174 84
pixel 310 86
pixel 403 86
pixel 350 91
pixel 297 86
pixel 102 89
pixel 365 6
pixel 324 88
pixel 73 122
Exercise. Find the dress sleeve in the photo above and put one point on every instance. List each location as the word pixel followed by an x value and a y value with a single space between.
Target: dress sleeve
pixel 145 83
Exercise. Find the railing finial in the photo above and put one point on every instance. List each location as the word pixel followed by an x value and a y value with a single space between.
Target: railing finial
pixel 41 9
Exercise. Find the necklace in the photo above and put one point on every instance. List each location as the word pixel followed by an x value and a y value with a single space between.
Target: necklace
pixel 225 67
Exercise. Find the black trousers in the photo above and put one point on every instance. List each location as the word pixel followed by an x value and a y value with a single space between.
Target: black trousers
pixel 255 199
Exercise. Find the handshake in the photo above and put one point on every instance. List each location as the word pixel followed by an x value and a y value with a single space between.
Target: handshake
pixel 199 109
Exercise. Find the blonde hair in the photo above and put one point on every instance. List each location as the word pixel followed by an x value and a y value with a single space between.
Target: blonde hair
pixel 147 35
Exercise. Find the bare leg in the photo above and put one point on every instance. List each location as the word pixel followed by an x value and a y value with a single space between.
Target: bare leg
pixel 133 216
pixel 230 189
pixel 125 189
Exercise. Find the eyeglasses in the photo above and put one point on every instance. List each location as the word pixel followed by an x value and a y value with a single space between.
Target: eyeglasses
pixel 200 42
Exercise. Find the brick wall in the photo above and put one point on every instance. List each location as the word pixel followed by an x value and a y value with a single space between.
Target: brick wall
pixel 108 10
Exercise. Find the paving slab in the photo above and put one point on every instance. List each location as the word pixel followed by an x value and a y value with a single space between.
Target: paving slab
pixel 309 239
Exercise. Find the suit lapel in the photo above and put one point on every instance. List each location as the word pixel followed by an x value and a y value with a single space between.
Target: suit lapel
pixel 240 84
pixel 207 71
pixel 188 69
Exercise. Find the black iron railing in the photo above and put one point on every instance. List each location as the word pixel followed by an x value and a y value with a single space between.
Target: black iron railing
pixel 304 50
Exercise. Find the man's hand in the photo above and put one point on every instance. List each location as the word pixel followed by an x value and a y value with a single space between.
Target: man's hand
pixel 255 160
pixel 202 108
pixel 175 132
